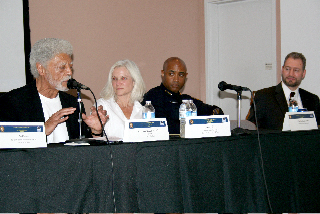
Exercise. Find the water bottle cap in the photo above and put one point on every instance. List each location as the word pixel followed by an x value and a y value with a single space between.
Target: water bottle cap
pixel 148 102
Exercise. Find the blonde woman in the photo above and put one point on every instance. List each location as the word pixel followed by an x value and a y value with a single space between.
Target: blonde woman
pixel 121 96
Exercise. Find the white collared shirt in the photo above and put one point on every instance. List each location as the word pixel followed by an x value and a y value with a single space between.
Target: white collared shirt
pixel 115 125
pixel 296 97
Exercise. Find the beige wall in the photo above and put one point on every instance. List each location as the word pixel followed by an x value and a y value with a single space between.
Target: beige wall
pixel 145 31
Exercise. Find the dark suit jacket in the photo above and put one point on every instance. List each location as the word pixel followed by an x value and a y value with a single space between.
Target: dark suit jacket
pixel 271 106
pixel 24 105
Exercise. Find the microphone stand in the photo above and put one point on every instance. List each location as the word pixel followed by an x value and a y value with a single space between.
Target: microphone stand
pixel 80 111
pixel 81 138
pixel 73 84
pixel 238 130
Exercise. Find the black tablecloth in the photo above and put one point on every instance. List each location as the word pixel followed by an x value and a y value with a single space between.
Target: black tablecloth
pixel 222 174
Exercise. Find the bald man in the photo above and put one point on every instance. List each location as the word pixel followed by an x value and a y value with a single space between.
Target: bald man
pixel 167 98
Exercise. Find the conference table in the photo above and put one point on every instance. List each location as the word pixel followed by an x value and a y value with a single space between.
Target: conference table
pixel 269 172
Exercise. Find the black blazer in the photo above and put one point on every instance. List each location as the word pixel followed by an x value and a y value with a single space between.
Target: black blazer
pixel 24 105
pixel 272 106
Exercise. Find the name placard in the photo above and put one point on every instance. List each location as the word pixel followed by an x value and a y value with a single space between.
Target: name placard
pixel 22 135
pixel 205 126
pixel 139 130
pixel 298 121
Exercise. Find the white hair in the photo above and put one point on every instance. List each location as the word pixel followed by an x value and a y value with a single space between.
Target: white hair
pixel 45 49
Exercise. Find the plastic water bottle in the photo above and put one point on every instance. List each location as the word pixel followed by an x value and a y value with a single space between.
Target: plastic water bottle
pixel 189 109
pixel 193 108
pixel 183 109
pixel 148 111
pixel 293 105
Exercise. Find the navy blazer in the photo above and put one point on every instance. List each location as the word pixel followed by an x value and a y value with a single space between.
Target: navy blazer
pixel 24 105
pixel 272 106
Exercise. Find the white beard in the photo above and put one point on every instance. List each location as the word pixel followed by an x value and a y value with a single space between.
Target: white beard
pixel 57 84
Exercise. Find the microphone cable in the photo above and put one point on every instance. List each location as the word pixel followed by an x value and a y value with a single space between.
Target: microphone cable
pixel 73 84
pixel 111 154
pixel 260 152
pixel 222 86
pixel 102 126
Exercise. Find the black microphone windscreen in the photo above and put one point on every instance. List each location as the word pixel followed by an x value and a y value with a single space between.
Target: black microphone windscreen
pixel 72 84
pixel 221 85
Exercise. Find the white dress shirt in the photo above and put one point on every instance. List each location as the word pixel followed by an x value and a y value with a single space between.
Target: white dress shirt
pixel 115 125
pixel 296 97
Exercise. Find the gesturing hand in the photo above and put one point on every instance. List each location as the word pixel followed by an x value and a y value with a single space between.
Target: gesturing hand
pixel 93 121
pixel 58 117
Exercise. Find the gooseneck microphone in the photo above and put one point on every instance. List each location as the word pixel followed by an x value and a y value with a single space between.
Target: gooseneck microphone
pixel 73 84
pixel 223 86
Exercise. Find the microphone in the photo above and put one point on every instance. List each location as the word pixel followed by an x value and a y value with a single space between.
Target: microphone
pixel 223 86
pixel 73 84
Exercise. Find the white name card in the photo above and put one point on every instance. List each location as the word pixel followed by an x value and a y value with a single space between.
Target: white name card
pixel 205 126
pixel 22 135
pixel 139 130
pixel 298 121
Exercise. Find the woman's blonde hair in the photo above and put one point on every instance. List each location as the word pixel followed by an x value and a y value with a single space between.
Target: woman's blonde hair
pixel 139 87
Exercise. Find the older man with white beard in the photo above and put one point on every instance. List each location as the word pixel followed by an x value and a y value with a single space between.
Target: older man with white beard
pixel 44 100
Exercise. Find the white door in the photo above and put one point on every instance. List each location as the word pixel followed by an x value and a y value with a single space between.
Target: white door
pixel 240 50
